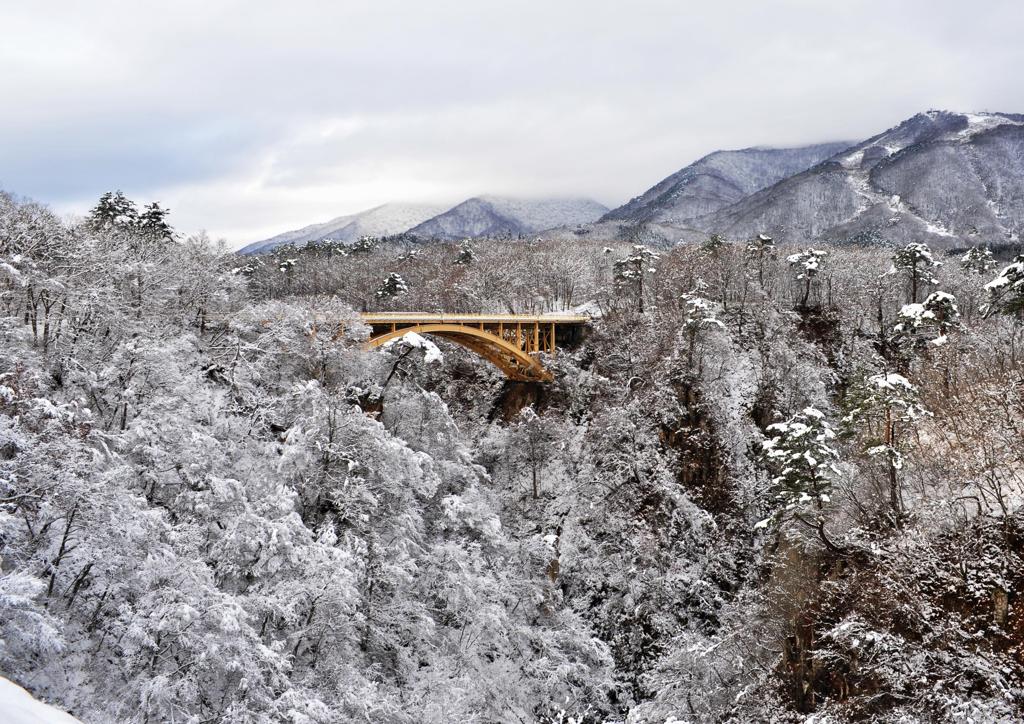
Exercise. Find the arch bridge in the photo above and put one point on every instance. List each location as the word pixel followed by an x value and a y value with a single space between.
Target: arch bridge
pixel 511 342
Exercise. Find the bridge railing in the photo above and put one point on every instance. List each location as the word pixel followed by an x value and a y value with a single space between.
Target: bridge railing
pixel 446 318
pixel 511 341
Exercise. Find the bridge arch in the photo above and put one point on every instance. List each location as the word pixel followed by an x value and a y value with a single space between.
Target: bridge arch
pixel 511 342
pixel 512 360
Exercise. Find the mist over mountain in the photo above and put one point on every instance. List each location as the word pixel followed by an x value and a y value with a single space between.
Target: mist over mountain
pixel 495 215
pixel 384 220
pixel 952 179
pixel 718 180
pixel 475 217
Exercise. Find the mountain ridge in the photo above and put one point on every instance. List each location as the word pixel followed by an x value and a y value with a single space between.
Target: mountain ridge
pixel 942 175
pixel 719 179
pixel 499 215
pixel 383 220
pixel 485 215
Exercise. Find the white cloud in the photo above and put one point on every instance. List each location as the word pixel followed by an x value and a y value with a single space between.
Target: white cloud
pixel 248 118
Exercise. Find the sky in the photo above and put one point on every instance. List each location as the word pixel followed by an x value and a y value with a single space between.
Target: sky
pixel 251 118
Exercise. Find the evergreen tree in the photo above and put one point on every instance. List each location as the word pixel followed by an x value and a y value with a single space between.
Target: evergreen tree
pixel 881 407
pixel 915 263
pixel 393 286
pixel 801 457
pixel 760 249
pixel 631 271
pixel 713 243
pixel 1006 291
pixel 364 245
pixel 114 210
pixel 928 322
pixel 153 223
pixel 807 265
pixel 978 259
pixel 466 254
pixel 699 314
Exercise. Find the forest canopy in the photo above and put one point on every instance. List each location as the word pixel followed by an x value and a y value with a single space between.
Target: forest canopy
pixel 769 483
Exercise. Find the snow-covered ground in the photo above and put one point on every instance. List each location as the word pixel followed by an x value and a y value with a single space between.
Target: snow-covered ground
pixel 17 706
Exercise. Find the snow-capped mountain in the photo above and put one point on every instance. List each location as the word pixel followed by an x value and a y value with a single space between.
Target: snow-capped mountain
pixel 379 221
pixel 493 215
pixel 718 180
pixel 939 176
pixel 944 177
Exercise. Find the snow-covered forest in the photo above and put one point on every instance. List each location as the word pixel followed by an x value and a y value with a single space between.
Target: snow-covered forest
pixel 771 484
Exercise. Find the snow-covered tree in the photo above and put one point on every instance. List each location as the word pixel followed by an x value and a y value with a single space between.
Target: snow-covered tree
pixel 883 410
pixel 152 223
pixel 978 259
pixel 392 286
pixel 1006 291
pixel 700 314
pixel 466 253
pixel 114 211
pixel 916 264
pixel 713 243
pixel 930 321
pixel 807 266
pixel 760 249
pixel 533 440
pixel 365 244
pixel 802 459
pixel 631 271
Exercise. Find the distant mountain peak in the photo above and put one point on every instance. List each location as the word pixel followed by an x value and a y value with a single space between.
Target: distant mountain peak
pixel 383 220
pixel 717 180
pixel 489 215
pixel 941 175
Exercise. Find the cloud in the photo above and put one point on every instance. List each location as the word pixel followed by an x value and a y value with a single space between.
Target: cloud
pixel 249 118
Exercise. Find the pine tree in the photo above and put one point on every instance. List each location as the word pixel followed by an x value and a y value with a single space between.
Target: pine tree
pixel 1006 291
pixel 152 223
pixel 881 407
pixel 631 271
pixel 699 315
pixel 807 265
pixel 114 211
pixel 760 248
pixel 802 459
pixel 915 263
pixel 364 245
pixel 466 254
pixel 978 259
pixel 928 322
pixel 713 243
pixel 393 286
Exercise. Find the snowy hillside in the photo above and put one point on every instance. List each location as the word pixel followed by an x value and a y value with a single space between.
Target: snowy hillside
pixel 378 221
pixel 717 180
pixel 494 215
pixel 947 177
pixel 768 483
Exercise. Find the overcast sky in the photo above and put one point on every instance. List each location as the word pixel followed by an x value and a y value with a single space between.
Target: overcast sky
pixel 249 118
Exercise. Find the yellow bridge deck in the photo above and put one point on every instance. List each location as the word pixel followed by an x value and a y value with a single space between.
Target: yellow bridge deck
pixel 375 318
pixel 509 341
